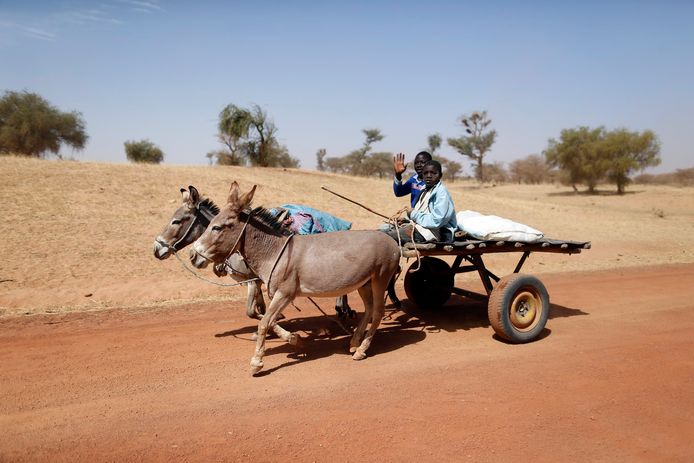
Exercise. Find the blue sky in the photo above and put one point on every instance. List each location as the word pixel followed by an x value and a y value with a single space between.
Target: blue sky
pixel 326 70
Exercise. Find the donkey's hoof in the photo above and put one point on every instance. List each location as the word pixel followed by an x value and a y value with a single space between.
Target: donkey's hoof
pixel 359 355
pixel 256 366
pixel 294 339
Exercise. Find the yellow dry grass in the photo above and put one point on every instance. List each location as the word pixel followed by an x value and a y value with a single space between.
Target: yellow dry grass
pixel 78 235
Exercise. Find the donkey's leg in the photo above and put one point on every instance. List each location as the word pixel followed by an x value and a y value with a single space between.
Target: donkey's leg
pixel 378 290
pixel 259 300
pixel 367 297
pixel 344 311
pixel 279 302
pixel 253 289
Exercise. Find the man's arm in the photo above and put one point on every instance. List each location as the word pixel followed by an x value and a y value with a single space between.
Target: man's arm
pixel 441 209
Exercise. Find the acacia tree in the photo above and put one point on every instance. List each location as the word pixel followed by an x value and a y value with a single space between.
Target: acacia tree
pixel 234 124
pixel 320 159
pixel 477 142
pixel 451 169
pixel 587 155
pixel 143 151
pixel 250 135
pixel 531 169
pixel 31 126
pixel 629 152
pixel 576 154
pixel 355 163
pixel 434 142
pixel 380 164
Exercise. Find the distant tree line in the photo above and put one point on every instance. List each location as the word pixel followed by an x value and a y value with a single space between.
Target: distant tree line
pixel 581 156
pixel 31 126
pixel 680 177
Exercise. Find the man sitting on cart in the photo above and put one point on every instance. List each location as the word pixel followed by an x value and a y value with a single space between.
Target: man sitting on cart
pixel 432 217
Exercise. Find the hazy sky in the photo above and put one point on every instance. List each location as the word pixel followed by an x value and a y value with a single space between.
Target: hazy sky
pixel 324 71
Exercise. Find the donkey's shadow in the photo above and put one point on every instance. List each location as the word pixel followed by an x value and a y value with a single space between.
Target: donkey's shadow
pixel 323 337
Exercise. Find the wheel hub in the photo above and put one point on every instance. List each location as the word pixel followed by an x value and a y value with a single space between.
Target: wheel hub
pixel 524 310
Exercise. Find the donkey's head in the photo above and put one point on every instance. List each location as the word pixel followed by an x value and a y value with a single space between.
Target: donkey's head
pixel 224 232
pixel 186 225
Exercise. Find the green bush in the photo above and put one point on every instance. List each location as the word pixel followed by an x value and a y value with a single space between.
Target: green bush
pixel 143 151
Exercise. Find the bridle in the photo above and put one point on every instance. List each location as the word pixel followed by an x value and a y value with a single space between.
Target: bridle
pixel 202 215
pixel 238 241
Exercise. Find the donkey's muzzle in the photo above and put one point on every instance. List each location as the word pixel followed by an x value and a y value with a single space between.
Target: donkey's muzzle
pixel 162 250
pixel 197 259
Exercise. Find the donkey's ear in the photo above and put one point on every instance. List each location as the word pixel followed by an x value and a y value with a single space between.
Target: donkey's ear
pixel 246 198
pixel 194 195
pixel 233 192
pixel 186 197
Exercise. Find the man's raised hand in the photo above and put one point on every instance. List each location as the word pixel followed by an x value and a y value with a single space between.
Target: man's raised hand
pixel 399 165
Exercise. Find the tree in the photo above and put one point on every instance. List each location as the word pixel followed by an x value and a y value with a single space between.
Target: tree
pixel 233 127
pixel 143 151
pixel 226 158
pixel 31 126
pixel 629 152
pixel 495 172
pixel 337 165
pixel 451 168
pixel 320 159
pixel 477 142
pixel 355 162
pixel 380 164
pixel 434 142
pixel 250 135
pixel 589 155
pixel 577 155
pixel 531 169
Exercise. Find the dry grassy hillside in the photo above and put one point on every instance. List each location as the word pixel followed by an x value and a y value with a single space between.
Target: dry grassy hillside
pixel 78 236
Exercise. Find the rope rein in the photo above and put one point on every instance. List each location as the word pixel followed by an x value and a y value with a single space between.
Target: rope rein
pixel 208 280
pixel 279 255
pixel 393 222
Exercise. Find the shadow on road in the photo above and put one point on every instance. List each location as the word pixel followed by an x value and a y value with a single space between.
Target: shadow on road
pixel 322 336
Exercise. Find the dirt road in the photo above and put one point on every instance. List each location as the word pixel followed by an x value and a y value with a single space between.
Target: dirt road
pixel 612 379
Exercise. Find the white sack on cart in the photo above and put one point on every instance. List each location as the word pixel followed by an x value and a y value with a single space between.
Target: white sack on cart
pixel 492 227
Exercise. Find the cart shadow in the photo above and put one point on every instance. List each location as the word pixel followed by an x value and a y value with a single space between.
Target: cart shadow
pixel 460 313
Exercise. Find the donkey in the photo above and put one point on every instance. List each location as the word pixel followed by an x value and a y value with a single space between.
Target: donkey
pixel 326 264
pixel 186 225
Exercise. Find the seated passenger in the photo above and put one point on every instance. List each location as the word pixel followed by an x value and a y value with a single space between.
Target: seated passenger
pixel 433 215
pixel 415 184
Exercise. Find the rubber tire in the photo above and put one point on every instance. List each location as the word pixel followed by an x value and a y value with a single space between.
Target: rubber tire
pixel 523 292
pixel 431 285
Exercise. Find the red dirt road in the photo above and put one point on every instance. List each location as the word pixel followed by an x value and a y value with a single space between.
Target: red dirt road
pixel 612 379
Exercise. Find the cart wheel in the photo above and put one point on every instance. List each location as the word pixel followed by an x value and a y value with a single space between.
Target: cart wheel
pixel 518 308
pixel 431 285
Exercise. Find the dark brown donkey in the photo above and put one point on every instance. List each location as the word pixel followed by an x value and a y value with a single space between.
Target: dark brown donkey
pixel 324 265
pixel 186 225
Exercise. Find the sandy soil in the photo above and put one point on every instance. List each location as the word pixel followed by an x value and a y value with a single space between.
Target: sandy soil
pixel 110 355
pixel 611 380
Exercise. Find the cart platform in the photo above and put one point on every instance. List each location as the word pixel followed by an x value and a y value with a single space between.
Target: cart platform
pixel 517 304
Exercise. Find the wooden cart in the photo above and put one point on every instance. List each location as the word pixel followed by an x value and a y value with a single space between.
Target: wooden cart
pixel 518 304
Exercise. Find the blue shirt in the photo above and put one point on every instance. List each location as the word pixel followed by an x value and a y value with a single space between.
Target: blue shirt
pixel 413 187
